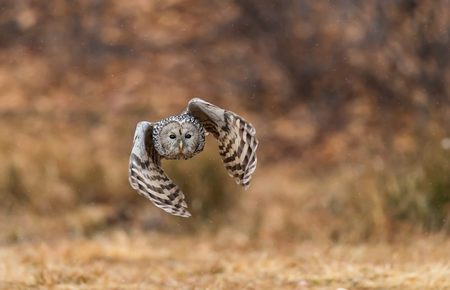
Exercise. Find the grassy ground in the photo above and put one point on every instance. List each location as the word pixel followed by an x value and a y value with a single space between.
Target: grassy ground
pixel 120 259
pixel 285 245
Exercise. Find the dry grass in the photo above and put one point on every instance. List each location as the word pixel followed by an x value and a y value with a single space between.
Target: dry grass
pixel 226 260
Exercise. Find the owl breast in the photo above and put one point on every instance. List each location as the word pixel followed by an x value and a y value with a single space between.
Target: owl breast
pixel 179 137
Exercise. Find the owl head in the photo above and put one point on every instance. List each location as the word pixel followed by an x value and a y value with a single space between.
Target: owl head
pixel 179 137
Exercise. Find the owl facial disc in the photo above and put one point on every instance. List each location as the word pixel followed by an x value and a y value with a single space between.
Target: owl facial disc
pixel 179 137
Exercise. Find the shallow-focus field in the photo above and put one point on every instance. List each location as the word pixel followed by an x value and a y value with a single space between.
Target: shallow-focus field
pixel 350 101
pixel 227 260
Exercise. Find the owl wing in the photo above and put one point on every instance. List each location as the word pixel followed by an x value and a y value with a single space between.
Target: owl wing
pixel 147 177
pixel 236 137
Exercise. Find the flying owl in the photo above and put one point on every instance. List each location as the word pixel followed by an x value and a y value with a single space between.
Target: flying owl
pixel 182 137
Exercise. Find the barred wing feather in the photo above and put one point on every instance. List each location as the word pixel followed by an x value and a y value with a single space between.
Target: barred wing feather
pixel 147 177
pixel 236 137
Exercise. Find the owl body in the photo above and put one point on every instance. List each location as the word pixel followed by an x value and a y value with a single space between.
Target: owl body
pixel 183 136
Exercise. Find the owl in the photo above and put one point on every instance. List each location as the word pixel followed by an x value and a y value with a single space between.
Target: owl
pixel 182 137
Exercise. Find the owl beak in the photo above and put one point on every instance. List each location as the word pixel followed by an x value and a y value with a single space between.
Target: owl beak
pixel 180 145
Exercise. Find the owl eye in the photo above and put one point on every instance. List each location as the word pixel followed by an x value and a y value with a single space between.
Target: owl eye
pixel 172 136
pixel 188 136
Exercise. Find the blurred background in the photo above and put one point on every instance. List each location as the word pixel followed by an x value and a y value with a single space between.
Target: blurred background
pixel 350 100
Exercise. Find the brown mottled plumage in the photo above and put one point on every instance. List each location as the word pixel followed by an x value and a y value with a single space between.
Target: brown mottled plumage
pixel 182 137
